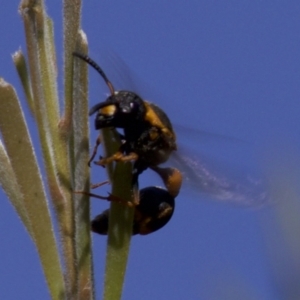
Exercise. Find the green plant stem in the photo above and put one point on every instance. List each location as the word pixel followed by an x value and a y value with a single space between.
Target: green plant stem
pixel 79 158
pixel 120 220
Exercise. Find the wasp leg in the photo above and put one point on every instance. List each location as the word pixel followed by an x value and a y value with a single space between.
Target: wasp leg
pixel 113 198
pixel 118 156
pixel 93 186
pixel 96 185
pixel 110 198
pixel 98 142
pixel 171 177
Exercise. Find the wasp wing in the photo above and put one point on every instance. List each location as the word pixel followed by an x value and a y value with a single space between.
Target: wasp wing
pixel 201 178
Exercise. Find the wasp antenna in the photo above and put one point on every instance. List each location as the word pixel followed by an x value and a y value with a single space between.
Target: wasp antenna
pixel 92 63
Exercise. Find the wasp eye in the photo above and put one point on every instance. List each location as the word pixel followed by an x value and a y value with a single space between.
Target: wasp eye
pixel 128 107
pixel 133 106
pixel 136 107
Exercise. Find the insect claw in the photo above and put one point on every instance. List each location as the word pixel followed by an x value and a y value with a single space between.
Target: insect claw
pixel 100 162
pixel 96 185
pixel 91 195
pixel 118 156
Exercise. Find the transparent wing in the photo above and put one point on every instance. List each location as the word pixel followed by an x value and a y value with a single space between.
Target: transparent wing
pixel 201 178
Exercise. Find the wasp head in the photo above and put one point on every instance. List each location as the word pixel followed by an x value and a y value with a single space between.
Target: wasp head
pixel 119 110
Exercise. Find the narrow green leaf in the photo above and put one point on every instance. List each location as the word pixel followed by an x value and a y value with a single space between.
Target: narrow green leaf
pixel 23 161
pixel 9 184
pixel 40 48
pixel 22 70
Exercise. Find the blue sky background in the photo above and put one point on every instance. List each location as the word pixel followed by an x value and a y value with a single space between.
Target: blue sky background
pixel 229 68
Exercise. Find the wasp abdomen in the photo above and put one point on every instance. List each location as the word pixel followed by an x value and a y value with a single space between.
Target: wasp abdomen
pixel 154 211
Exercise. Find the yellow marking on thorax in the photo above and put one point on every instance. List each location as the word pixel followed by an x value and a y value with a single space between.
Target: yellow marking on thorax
pixel 154 120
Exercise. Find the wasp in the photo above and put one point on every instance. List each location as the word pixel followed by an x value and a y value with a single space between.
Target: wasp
pixel 148 139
